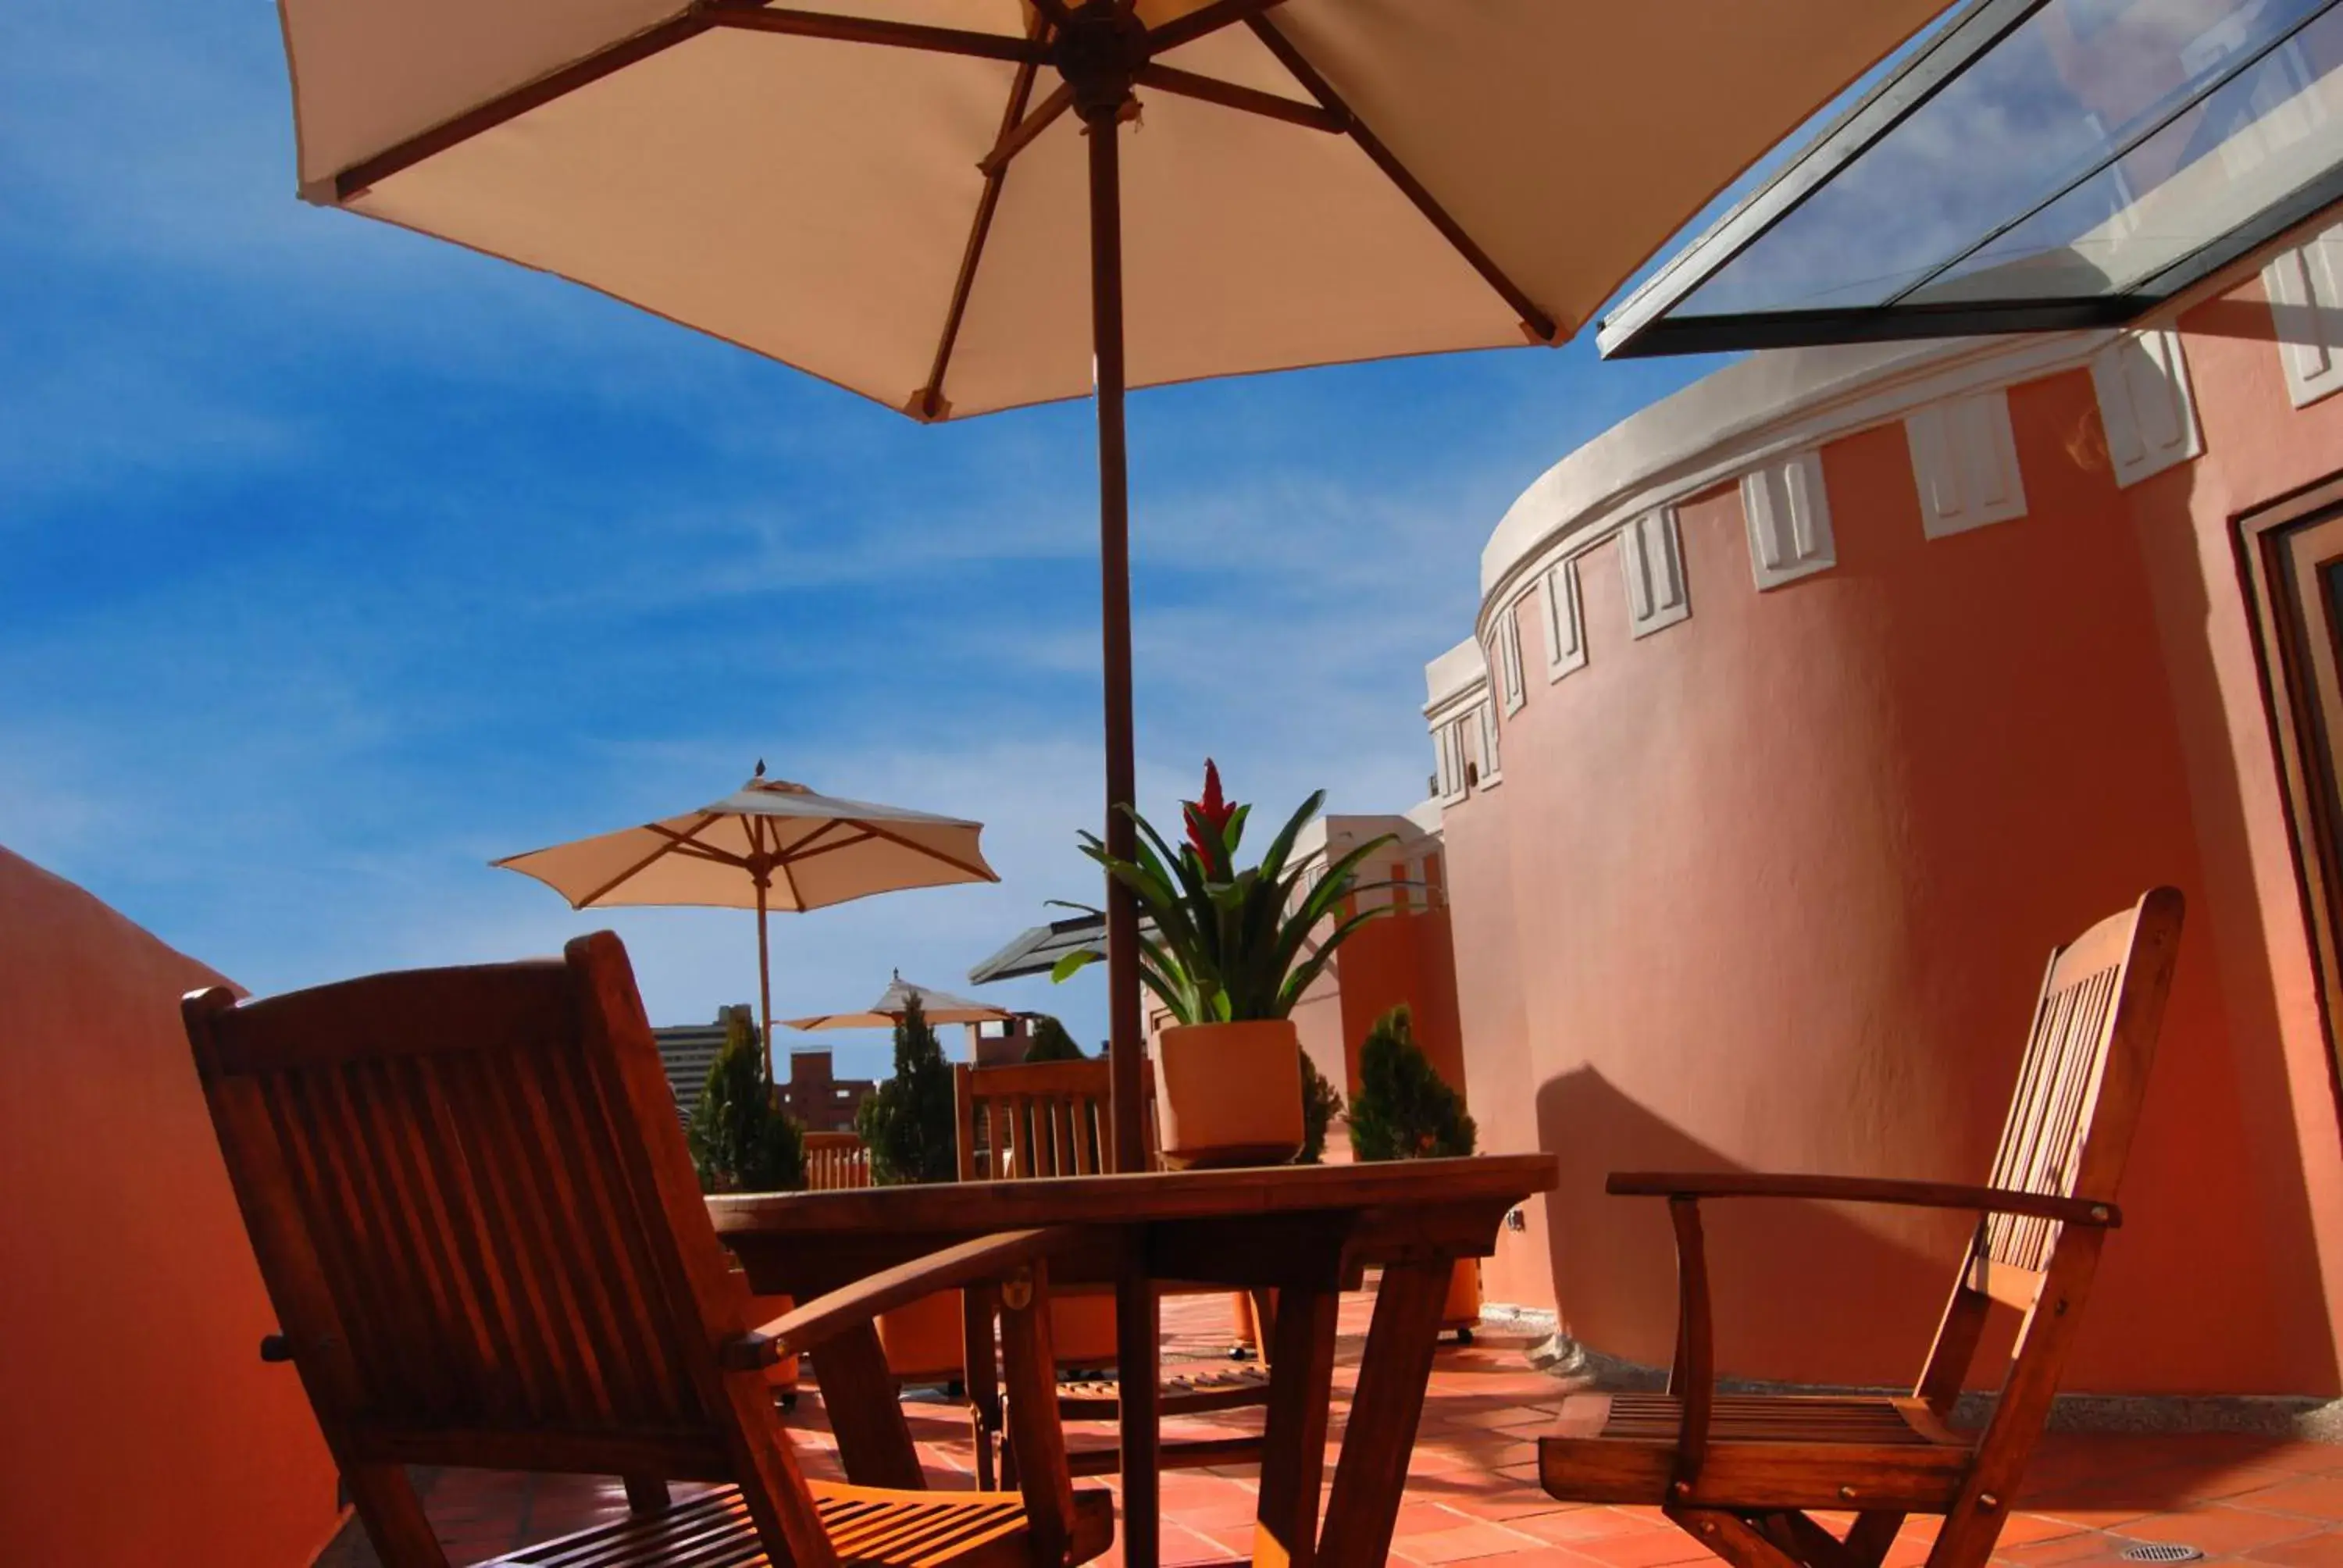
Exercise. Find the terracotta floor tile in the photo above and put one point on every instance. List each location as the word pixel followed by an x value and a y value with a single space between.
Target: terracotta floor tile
pixel 2075 1547
pixel 2324 1550
pixel 1643 1548
pixel 2217 1528
pixel 1576 1527
pixel 2315 1496
pixel 1478 1539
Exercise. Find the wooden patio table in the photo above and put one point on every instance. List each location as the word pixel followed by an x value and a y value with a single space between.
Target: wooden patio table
pixel 1308 1232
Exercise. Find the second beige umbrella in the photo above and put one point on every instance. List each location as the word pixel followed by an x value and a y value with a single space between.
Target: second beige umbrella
pixel 935 1006
pixel 769 845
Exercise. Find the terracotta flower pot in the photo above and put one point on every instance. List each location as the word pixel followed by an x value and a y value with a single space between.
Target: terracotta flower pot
pixel 1228 1093
pixel 1462 1310
pixel 922 1339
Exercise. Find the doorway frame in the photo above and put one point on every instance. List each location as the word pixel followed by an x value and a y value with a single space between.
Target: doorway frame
pixel 2282 634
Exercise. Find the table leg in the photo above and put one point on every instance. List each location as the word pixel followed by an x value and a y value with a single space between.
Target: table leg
pixel 1393 1374
pixel 1139 1383
pixel 980 1375
pixel 874 1443
pixel 1293 1446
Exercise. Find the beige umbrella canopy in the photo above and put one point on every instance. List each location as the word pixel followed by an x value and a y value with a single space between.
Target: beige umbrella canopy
pixel 769 845
pixel 936 1006
pixel 916 198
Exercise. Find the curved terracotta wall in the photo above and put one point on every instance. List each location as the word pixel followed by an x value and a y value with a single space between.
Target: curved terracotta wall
pixel 1772 889
pixel 139 1425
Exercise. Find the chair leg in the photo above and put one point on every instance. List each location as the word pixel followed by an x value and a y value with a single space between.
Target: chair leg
pixel 1731 1537
pixel 1809 1541
pixel 393 1516
pixel 1873 1535
pixel 648 1494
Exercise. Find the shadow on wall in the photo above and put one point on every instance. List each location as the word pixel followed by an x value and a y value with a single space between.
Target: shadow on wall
pixel 1786 1277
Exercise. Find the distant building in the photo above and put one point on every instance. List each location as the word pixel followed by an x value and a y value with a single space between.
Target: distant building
pixel 822 1102
pixel 688 1051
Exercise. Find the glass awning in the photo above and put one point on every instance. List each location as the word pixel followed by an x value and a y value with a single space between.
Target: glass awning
pixel 2037 166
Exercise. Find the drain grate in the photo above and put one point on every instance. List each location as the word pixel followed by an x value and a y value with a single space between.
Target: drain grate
pixel 2161 1551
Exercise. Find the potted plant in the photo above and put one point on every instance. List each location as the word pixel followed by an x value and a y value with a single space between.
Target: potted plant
pixel 1230 952
pixel 741 1141
pixel 1405 1110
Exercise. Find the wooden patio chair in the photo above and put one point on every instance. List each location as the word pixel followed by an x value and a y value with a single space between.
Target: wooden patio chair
pixel 1739 1472
pixel 1037 1121
pixel 485 1245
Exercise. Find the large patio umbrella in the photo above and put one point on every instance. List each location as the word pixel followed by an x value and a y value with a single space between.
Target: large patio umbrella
pixel 769 845
pixel 935 1006
pixel 893 194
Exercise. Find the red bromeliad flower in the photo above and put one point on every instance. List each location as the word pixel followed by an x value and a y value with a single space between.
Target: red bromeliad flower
pixel 1208 819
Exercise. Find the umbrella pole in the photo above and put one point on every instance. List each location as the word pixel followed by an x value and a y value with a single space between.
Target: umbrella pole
pixel 764 976
pixel 1123 1022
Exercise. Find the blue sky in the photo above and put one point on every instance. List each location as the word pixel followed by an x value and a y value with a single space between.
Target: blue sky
pixel 338 562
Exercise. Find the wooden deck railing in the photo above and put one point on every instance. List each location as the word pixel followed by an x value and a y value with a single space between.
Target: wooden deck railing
pixel 835 1160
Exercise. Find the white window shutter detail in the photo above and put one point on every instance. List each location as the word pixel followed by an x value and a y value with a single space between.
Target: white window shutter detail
pixel 2305 285
pixel 2142 382
pixel 1505 657
pixel 1788 511
pixel 1565 622
pixel 1651 555
pixel 1965 461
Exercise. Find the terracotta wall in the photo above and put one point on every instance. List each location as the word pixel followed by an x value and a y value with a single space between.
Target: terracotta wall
pixel 1772 889
pixel 140 1425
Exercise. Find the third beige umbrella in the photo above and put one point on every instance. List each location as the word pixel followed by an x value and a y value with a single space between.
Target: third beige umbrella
pixel 930 201
pixel 769 845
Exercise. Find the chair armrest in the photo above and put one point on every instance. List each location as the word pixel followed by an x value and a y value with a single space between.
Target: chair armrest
pixel 826 1316
pixel 1863 1190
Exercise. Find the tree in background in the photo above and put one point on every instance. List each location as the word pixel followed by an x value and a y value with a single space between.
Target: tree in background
pixel 741 1140
pixel 1321 1103
pixel 907 1124
pixel 1051 1042
pixel 1404 1109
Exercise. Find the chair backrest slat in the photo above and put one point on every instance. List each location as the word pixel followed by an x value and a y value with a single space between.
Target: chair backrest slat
pixel 2056 1113
pixel 472 1206
pixel 1034 1120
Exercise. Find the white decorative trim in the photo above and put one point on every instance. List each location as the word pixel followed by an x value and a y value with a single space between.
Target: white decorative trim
pixel 2142 381
pixel 2305 285
pixel 1747 414
pixel 1506 658
pixel 1787 509
pixel 1460 673
pixel 1448 760
pixel 1965 462
pixel 1565 620
pixel 1651 560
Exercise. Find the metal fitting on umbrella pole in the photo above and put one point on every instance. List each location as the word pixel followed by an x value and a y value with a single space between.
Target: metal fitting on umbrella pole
pixel 1100 54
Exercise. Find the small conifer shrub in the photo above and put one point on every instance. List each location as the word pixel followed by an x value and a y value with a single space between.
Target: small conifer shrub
pixel 741 1140
pixel 1051 1042
pixel 1405 1110
pixel 1321 1103
pixel 908 1122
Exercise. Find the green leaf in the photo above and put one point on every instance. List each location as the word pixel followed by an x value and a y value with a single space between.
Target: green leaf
pixel 1074 963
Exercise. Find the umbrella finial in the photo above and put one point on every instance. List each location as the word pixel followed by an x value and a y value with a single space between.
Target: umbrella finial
pixel 760 768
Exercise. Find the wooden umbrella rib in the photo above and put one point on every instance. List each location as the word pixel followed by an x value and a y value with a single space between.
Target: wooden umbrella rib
pixel 928 402
pixel 1205 19
pixel 673 837
pixel 758 18
pixel 1016 136
pixel 487 116
pixel 795 856
pixel 957 864
pixel 1539 326
pixel 1228 95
